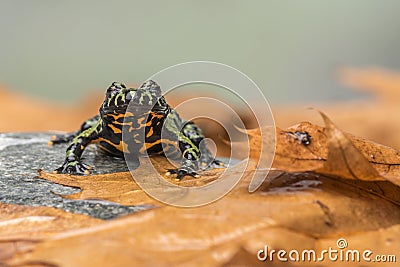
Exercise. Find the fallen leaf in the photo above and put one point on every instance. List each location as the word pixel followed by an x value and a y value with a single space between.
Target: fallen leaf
pixel 116 187
pixel 121 187
pixel 380 242
pixel 214 234
pixel 344 159
pixel 292 156
pixel 335 153
pixel 21 227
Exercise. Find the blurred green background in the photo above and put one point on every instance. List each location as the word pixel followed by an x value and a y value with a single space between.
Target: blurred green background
pixel 291 49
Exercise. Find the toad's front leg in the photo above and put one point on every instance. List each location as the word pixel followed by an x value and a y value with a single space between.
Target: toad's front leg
pixel 72 163
pixel 68 137
pixel 190 158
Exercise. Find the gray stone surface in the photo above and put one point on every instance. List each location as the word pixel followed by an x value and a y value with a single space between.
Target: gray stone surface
pixel 22 154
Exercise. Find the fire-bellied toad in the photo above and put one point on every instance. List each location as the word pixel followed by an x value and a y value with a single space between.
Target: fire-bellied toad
pixel 180 139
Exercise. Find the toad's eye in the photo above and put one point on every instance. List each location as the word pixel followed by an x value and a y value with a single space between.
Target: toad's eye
pixel 117 86
pixel 114 88
pixel 152 87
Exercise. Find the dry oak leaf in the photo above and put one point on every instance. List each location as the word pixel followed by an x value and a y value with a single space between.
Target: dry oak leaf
pixel 349 156
pixel 380 242
pixel 338 154
pixel 116 187
pixel 121 187
pixel 293 211
pixel 345 159
pixel 23 226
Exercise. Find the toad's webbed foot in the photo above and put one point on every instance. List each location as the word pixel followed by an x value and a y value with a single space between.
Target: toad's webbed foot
pixel 74 167
pixel 181 172
pixel 187 169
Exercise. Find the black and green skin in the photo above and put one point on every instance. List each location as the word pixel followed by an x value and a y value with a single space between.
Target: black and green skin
pixel 181 139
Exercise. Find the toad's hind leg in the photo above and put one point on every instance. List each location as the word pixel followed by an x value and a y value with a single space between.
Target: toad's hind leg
pixel 196 136
pixel 68 137
pixel 189 137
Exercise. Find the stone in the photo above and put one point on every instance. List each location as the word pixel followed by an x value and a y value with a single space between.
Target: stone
pixel 22 154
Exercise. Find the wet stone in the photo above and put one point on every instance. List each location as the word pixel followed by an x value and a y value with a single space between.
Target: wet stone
pixel 22 154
